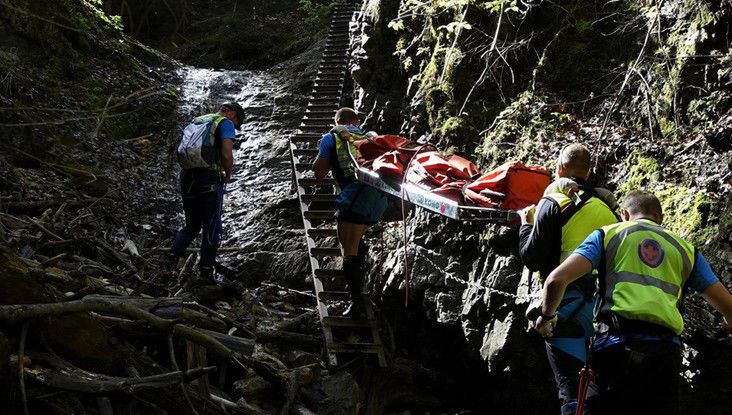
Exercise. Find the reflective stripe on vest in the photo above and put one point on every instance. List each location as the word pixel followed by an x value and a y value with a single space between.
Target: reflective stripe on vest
pixel 646 268
pixel 345 171
pixel 591 216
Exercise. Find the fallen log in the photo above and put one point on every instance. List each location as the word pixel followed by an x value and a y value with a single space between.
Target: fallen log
pixel 65 376
pixel 242 408
pixel 26 207
pixel 23 312
pixel 169 308
pixel 236 344
pixel 294 340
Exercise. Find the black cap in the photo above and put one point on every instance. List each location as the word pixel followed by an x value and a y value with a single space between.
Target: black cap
pixel 237 109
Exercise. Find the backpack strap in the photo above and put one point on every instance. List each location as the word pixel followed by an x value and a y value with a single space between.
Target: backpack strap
pixel 578 201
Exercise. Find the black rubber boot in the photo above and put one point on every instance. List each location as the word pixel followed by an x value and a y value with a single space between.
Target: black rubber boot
pixel 207 276
pixel 353 274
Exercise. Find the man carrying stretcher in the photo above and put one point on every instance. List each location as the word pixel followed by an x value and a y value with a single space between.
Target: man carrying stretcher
pixel 357 205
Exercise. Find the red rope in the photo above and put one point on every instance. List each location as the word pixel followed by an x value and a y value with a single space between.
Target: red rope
pixel 587 375
pixel 404 220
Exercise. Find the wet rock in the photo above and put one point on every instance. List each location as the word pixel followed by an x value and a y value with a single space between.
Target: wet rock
pixel 342 395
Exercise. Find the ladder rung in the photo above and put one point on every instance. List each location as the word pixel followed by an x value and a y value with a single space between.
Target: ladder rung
pixel 316 182
pixel 354 347
pixel 319 214
pixel 336 295
pixel 305 151
pixel 318 119
pixel 326 89
pixel 305 139
pixel 325 251
pixel 310 112
pixel 337 321
pixel 328 84
pixel 324 232
pixel 322 107
pixel 331 99
pixel 308 135
pixel 320 127
pixel 318 197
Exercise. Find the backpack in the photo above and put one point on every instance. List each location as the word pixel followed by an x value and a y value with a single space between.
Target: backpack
pixel 196 149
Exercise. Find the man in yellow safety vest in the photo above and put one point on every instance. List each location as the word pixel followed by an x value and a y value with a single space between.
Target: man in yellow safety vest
pixel 570 210
pixel 643 271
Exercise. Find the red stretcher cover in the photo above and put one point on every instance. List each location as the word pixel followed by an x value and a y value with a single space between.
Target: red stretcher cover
pixel 512 185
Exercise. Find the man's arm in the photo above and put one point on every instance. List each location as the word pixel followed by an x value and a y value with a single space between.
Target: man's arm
pixel 568 271
pixel 538 242
pixel 321 167
pixel 718 296
pixel 586 257
pixel 705 282
pixel 227 158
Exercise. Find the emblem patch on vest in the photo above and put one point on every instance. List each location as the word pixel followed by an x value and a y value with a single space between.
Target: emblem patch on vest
pixel 650 252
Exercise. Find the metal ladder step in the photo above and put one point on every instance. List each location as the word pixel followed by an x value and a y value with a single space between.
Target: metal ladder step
pixel 318 112
pixel 319 214
pixel 316 182
pixel 319 119
pixel 336 295
pixel 355 347
pixel 339 321
pixel 320 251
pixel 323 233
pixel 326 89
pixel 315 107
pixel 303 167
pixel 318 197
pixel 305 152
pixel 319 127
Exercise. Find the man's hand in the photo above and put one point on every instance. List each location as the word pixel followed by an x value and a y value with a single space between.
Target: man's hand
pixel 545 326
pixel 726 326
pixel 527 215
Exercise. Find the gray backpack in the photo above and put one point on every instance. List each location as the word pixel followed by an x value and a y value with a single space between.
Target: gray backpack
pixel 196 149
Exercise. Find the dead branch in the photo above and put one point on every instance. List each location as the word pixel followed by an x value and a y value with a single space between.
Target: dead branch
pixel 21 360
pixel 16 313
pixel 68 377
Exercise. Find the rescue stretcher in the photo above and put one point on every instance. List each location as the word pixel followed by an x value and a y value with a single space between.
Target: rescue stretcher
pixel 434 202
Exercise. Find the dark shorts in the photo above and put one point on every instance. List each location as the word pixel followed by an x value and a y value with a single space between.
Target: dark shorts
pixel 360 204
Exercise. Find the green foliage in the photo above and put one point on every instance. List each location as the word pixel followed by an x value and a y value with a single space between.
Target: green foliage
pixel 315 13
pixel 685 209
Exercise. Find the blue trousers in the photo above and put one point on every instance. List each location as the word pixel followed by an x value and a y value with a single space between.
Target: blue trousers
pixel 203 215
pixel 567 350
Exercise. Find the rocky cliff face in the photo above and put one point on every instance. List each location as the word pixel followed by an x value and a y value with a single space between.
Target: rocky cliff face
pixel 646 85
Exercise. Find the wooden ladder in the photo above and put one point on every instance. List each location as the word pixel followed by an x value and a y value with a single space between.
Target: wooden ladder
pixel 316 197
